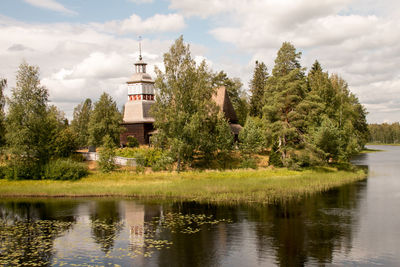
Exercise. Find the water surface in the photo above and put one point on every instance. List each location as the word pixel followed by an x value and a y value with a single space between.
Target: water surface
pixel 357 224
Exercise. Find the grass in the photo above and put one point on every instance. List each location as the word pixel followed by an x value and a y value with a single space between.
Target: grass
pixel 381 144
pixel 237 186
pixel 369 150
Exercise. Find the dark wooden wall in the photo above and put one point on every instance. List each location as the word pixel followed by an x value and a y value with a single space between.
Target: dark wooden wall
pixel 139 130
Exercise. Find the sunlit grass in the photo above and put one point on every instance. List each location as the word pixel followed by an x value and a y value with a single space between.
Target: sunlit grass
pixel 381 144
pixel 238 186
pixel 369 150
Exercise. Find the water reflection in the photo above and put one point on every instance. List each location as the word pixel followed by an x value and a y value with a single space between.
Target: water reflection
pixel 338 227
pixel 126 231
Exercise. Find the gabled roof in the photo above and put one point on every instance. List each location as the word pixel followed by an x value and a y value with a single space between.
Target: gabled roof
pixel 221 98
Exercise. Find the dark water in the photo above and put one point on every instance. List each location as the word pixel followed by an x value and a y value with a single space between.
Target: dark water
pixel 357 224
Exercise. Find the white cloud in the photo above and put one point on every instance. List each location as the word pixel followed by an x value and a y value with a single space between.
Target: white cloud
pixel 51 5
pixel 135 24
pixel 76 61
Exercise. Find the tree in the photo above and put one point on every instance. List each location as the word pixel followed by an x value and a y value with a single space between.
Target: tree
pixel 257 89
pixel 185 116
pixel 3 84
pixel 285 90
pixel 28 127
pixel 253 137
pixel 105 119
pixel 80 122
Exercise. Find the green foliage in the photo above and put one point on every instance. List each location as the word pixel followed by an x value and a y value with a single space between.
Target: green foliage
pixel 64 169
pixel 257 89
pixel 275 158
pixel 164 162
pixel 105 119
pixel 65 143
pixel 80 122
pixel 30 126
pixel 132 141
pixel 327 138
pixel 3 84
pixel 106 155
pixel 285 90
pixel 384 133
pixel 253 137
pixel 185 116
pixel 248 163
pixel 152 157
pixel 78 157
pixel 19 169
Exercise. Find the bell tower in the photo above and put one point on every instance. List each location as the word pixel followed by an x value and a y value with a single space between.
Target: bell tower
pixel 137 119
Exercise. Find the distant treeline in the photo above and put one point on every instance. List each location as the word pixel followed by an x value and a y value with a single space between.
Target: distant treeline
pixel 385 133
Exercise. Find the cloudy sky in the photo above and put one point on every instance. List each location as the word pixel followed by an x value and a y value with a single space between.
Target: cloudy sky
pixel 86 47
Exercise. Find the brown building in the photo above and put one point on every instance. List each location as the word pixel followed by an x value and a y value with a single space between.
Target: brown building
pixel 137 119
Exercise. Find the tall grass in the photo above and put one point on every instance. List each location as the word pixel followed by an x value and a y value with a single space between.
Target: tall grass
pixel 238 186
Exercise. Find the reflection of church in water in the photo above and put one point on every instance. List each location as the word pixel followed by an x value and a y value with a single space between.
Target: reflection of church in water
pixel 135 216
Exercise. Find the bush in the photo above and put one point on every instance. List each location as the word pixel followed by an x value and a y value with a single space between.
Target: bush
pixel 22 170
pixel 106 156
pixel 163 163
pixel 2 171
pixel 275 156
pixel 248 163
pixel 64 169
pixel 78 157
pixel 132 141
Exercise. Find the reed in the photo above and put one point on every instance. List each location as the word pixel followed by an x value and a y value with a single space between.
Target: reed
pixel 236 186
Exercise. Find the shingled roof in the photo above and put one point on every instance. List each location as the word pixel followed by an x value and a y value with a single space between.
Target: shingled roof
pixel 221 98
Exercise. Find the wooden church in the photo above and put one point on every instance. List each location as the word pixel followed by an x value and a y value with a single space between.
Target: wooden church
pixel 141 96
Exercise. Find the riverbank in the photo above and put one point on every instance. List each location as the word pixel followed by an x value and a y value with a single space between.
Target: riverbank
pixel 237 186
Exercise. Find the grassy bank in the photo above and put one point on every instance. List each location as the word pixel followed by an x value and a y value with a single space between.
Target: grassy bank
pixel 263 186
pixel 369 150
pixel 381 144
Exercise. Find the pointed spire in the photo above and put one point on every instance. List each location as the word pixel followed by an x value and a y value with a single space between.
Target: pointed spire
pixel 140 47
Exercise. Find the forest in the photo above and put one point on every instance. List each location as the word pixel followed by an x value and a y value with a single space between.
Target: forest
pixel 292 117
pixel 384 133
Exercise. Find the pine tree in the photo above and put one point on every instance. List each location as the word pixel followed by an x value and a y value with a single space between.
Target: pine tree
pixel 257 89
pixel 253 137
pixel 80 122
pixel 105 119
pixel 285 90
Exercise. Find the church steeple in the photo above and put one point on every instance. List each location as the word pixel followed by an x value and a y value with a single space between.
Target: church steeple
pixel 141 85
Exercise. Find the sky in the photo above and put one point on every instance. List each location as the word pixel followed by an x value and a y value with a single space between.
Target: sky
pixel 84 48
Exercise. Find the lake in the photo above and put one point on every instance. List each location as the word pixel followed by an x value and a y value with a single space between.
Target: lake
pixel 357 224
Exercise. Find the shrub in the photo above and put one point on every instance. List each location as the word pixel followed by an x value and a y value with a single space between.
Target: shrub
pixel 163 163
pixel 22 170
pixel 106 155
pixel 132 141
pixel 248 163
pixel 275 156
pixel 64 169
pixel 78 157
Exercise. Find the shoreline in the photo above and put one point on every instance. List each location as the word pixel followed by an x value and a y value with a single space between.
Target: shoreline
pixel 232 186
